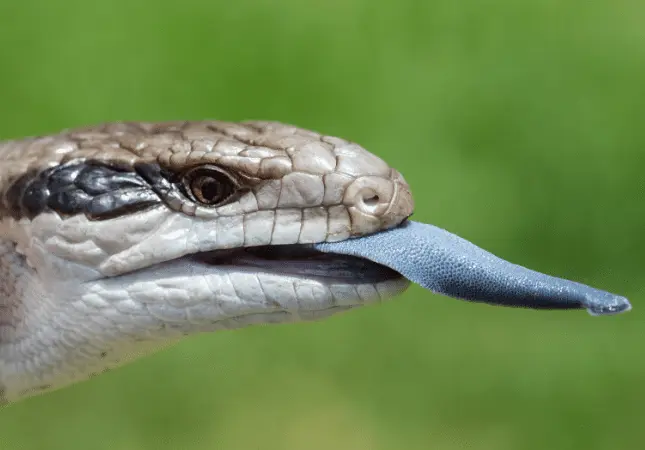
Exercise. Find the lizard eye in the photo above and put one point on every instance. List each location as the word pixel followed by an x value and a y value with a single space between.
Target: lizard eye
pixel 209 185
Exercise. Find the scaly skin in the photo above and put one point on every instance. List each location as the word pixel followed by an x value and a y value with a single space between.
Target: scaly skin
pixel 79 296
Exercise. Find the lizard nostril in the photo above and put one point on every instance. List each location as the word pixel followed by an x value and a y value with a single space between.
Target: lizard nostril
pixel 371 200
pixel 370 195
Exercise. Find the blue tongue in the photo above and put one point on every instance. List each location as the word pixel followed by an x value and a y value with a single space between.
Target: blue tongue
pixel 447 264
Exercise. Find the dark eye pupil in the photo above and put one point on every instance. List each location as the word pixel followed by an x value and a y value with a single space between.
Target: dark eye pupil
pixel 208 186
pixel 207 190
pixel 210 189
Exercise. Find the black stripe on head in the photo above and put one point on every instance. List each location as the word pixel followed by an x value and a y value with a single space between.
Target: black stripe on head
pixel 98 190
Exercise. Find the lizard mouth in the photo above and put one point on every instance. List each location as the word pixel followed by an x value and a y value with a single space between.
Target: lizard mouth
pixel 300 260
pixel 426 255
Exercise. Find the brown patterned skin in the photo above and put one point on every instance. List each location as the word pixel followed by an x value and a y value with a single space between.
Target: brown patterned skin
pixel 257 151
pixel 264 150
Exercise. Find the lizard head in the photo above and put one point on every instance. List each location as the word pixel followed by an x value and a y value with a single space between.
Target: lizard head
pixel 144 233
pixel 122 238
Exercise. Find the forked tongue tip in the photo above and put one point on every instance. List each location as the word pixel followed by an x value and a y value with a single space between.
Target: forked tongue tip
pixel 447 264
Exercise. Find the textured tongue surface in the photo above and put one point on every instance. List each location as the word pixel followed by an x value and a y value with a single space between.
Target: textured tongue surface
pixel 447 264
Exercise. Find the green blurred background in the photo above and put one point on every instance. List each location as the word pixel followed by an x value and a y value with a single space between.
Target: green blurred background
pixel 519 126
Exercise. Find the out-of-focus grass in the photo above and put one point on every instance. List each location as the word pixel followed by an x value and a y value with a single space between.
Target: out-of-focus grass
pixel 519 126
